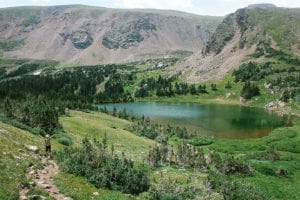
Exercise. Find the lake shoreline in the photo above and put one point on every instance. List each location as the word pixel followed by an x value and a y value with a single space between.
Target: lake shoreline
pixel 211 119
pixel 218 100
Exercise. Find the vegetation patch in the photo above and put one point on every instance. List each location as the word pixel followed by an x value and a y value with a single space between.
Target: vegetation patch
pixel 78 188
pixel 9 45
pixel 232 189
pixel 103 168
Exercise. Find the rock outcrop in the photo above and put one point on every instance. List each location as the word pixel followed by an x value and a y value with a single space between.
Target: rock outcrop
pixel 127 35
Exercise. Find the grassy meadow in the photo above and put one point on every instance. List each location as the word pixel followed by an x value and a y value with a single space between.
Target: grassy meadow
pixel 92 125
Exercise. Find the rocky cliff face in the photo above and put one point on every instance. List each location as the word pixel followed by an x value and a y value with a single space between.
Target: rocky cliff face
pixel 238 35
pixel 128 34
pixel 92 35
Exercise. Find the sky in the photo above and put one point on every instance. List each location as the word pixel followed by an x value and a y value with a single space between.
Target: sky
pixel 200 7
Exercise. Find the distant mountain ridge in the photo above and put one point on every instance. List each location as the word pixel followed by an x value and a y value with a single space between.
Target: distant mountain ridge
pixel 93 35
pixel 211 46
pixel 262 5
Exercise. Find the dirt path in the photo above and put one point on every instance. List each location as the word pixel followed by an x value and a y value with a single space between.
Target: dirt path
pixel 43 179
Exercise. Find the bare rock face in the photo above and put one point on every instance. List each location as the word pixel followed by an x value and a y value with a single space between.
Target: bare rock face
pixel 224 33
pixel 93 35
pixel 81 40
pixel 203 33
pixel 127 35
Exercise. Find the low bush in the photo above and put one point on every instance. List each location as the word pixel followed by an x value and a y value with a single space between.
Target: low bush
pixel 103 168
pixel 266 169
pixel 200 141
pixel 232 189
pixel 63 139
pixel 168 190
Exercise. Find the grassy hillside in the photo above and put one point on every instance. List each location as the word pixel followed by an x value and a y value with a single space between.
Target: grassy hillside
pixel 94 125
pixel 15 158
pixel 283 140
pixel 280 25
pixel 258 152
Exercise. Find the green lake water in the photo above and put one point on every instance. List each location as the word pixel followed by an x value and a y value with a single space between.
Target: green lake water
pixel 221 121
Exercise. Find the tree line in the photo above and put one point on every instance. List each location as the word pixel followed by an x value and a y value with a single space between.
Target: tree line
pixel 34 112
pixel 169 87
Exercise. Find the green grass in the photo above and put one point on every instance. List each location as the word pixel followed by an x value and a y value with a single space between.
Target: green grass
pixel 8 45
pixel 15 158
pixel 79 188
pixel 277 187
pixel 286 141
pixel 280 23
pixel 95 125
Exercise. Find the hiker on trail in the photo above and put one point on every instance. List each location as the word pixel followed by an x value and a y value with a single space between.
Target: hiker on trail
pixel 48 145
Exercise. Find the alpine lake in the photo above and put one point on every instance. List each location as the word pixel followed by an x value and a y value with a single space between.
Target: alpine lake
pixel 220 121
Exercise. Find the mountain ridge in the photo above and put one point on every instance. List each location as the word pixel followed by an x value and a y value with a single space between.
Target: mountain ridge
pixel 93 35
pixel 236 38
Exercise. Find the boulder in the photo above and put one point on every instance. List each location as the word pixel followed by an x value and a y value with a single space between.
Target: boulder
pixel 32 148
pixel 281 104
pixel 32 172
pixel 45 186
pixel 242 100
pixel 22 198
pixel 228 95
pixel 96 193
pixel 67 198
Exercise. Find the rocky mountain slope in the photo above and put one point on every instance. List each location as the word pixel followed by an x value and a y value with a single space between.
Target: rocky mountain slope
pixel 237 36
pixel 93 35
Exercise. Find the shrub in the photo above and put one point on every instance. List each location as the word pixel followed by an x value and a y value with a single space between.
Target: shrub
pixel 65 141
pixel 228 85
pixel 233 165
pixel 271 155
pixel 266 169
pixel 249 90
pixel 282 171
pixel 230 165
pixel 200 141
pixel 232 189
pixel 168 190
pixel 104 169
pixel 63 138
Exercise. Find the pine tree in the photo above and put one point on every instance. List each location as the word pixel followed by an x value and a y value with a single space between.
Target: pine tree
pixel 228 85
pixel 8 109
pixel 193 90
pixel 114 111
pixel 104 141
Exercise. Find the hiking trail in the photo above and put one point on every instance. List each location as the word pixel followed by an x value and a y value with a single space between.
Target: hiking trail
pixel 43 179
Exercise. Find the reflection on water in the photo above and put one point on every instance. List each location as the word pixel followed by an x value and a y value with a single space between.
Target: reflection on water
pixel 223 121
